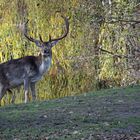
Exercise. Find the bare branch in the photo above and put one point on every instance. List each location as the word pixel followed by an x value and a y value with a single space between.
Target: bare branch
pixel 116 20
pixel 117 55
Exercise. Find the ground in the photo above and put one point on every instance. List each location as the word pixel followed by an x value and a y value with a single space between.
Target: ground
pixel 112 114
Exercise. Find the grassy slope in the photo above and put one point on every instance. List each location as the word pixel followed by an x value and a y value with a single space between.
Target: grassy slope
pixel 105 114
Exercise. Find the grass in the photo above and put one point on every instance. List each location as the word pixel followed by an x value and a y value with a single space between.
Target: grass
pixel 105 114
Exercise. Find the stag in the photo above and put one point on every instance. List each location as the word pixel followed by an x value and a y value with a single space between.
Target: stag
pixel 28 70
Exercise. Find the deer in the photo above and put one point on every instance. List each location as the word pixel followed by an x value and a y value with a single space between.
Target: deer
pixel 28 70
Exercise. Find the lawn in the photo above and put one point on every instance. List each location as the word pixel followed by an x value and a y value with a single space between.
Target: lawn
pixel 105 114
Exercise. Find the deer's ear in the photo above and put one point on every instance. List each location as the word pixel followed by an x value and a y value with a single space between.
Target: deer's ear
pixel 38 44
pixel 53 43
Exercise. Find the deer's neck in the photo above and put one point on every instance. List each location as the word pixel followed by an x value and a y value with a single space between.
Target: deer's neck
pixel 45 64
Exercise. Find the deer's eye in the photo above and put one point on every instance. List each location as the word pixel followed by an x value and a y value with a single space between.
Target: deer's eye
pixel 46 51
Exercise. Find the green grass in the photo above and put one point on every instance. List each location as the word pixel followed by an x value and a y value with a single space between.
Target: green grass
pixel 103 114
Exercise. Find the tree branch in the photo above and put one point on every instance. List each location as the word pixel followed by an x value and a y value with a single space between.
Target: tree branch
pixel 116 20
pixel 117 55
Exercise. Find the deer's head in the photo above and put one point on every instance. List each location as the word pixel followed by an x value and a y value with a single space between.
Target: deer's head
pixel 46 47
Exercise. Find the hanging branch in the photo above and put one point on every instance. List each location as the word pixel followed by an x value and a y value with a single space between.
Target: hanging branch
pixel 116 20
pixel 117 55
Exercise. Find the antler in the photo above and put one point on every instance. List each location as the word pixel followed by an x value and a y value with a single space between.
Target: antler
pixel 66 32
pixel 50 39
pixel 30 38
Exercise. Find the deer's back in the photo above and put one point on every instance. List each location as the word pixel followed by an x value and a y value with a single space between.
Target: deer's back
pixel 13 72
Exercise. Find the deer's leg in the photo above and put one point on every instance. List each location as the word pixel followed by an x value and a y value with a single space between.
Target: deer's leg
pixel 2 92
pixel 26 90
pixel 32 86
pixel 13 98
pixel 13 94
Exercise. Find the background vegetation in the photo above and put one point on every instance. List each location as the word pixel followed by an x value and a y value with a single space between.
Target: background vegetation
pixel 102 49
